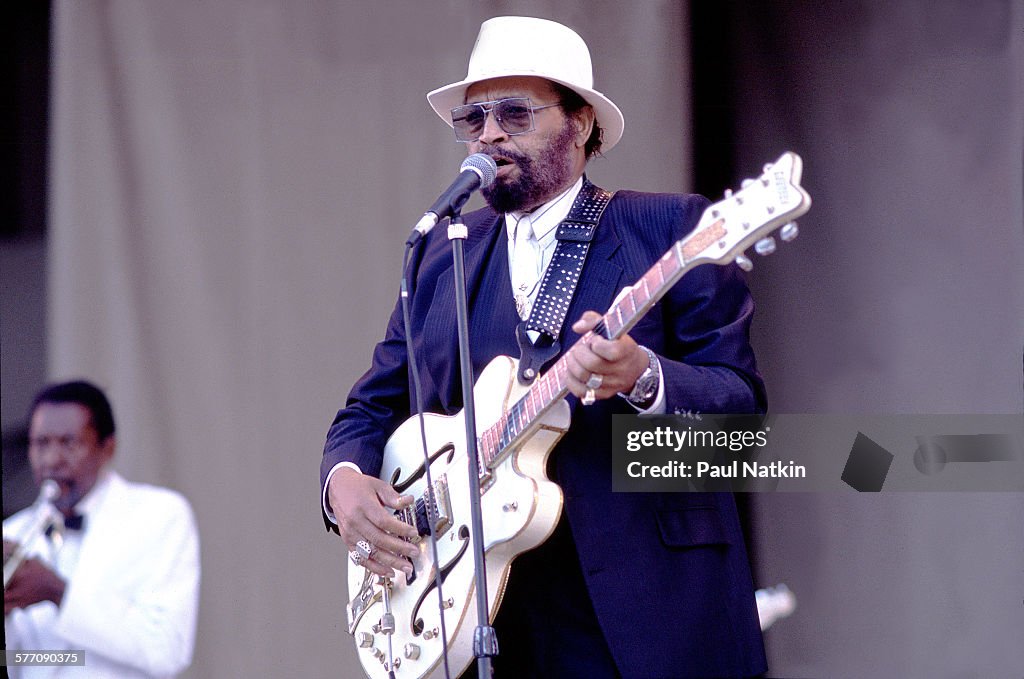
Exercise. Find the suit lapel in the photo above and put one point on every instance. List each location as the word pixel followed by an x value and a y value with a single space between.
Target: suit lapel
pixel 102 535
pixel 443 362
pixel 480 237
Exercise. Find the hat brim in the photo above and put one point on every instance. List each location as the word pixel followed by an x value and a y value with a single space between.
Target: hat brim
pixel 608 115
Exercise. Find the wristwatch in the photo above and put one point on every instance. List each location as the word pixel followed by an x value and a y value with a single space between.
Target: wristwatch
pixel 645 390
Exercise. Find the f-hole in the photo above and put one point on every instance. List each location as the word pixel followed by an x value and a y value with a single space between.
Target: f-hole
pixel 417 625
pixel 448 448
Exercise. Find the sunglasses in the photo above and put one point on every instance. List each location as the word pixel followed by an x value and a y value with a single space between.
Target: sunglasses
pixel 513 115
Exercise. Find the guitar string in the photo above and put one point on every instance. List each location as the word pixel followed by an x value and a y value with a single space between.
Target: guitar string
pixel 517 419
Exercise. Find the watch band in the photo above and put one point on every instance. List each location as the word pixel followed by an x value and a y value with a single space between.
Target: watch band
pixel 645 390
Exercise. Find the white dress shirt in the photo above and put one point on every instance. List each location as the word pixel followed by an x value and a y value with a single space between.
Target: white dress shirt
pixel 528 261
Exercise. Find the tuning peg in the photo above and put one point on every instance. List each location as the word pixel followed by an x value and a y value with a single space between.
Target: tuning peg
pixel 743 262
pixel 789 232
pixel 728 193
pixel 765 246
pixel 745 183
pixel 767 168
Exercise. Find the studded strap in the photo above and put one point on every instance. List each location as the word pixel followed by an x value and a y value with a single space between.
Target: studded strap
pixel 558 285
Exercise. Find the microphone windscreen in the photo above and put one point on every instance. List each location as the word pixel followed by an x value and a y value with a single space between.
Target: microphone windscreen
pixel 483 165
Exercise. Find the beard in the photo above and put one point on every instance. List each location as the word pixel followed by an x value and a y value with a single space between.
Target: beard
pixel 541 177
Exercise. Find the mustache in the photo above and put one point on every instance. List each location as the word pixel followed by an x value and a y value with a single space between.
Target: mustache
pixel 497 152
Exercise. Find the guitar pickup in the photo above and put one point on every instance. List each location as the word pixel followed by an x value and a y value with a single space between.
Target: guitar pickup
pixel 434 509
pixel 407 515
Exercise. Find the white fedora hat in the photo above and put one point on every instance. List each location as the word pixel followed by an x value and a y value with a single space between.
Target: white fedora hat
pixel 525 46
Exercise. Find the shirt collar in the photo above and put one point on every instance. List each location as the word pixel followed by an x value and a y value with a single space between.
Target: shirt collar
pixel 94 497
pixel 546 217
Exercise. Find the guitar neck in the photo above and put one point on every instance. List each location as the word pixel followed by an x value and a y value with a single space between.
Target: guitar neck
pixel 631 305
pixel 725 229
pixel 634 302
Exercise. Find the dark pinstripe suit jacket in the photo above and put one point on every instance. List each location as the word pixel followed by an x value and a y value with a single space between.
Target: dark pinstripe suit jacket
pixel 686 608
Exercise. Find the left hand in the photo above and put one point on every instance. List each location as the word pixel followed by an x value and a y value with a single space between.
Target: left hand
pixel 33 582
pixel 619 362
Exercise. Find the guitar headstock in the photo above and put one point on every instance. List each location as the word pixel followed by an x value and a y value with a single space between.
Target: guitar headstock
pixel 749 216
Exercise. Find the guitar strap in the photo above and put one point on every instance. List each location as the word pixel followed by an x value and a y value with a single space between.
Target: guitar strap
pixel 559 283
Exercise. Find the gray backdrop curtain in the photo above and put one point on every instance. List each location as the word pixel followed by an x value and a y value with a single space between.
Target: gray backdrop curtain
pixel 231 184
pixel 904 294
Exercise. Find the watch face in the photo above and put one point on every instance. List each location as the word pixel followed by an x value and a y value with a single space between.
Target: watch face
pixel 646 387
pixel 647 384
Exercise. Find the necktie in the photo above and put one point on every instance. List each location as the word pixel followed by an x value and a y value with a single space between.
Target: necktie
pixel 525 265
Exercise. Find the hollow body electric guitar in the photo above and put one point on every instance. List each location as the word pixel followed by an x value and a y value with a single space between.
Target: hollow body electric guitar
pixel 397 622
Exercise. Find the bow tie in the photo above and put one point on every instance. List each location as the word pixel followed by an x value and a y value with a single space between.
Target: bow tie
pixel 73 522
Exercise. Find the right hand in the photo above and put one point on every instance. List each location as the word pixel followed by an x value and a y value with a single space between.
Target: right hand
pixel 31 583
pixel 363 506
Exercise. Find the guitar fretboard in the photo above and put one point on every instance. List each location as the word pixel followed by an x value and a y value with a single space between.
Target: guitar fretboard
pixel 629 308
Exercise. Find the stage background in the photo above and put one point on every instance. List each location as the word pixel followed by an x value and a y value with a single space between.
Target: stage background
pixel 230 186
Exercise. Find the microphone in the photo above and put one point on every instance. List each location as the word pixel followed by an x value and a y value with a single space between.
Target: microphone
pixel 477 172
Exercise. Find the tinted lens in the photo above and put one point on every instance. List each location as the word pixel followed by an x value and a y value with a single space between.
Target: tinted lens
pixel 514 115
pixel 468 121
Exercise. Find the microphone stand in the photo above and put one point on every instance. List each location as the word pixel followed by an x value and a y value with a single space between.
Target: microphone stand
pixel 485 643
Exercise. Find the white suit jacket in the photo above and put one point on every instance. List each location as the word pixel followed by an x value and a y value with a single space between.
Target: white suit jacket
pixel 132 597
